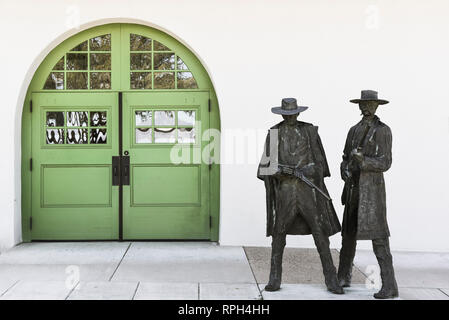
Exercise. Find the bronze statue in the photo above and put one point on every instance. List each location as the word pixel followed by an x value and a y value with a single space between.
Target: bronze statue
pixel 366 156
pixel 293 168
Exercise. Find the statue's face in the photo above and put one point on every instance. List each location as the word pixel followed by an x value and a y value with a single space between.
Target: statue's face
pixel 290 119
pixel 368 108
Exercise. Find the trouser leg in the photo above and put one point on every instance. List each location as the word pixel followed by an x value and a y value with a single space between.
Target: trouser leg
pixel 329 271
pixel 347 253
pixel 277 251
pixel 381 249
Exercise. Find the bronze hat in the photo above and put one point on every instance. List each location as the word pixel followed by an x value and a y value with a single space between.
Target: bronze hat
pixel 289 107
pixel 369 95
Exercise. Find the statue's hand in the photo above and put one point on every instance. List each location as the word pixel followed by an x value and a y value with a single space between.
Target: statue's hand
pixel 308 171
pixel 357 155
pixel 345 173
pixel 286 170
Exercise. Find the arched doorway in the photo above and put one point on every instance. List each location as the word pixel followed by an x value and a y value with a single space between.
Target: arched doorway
pixel 102 114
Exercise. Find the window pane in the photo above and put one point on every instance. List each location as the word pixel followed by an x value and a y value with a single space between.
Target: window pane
pixel 59 65
pixel 186 135
pixel 159 46
pixel 163 118
pixel 76 61
pixel 98 136
pixel 164 80
pixel 101 43
pixel 143 118
pixel 140 61
pixel 55 119
pixel 164 61
pixel 100 61
pixel 81 47
pixel 181 64
pixel 98 118
pixel 55 136
pixel 164 135
pixel 186 118
pixel 76 136
pixel 143 135
pixel 100 80
pixel 139 43
pixel 76 80
pixel 77 119
pixel 55 81
pixel 140 80
pixel 186 81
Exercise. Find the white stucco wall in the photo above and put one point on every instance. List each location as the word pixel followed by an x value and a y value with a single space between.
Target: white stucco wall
pixel 322 52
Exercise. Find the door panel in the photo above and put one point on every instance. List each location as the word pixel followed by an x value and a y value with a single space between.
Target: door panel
pixel 74 138
pixel 165 199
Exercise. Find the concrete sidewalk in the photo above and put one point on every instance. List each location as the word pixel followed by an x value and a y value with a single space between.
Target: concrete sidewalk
pixel 196 270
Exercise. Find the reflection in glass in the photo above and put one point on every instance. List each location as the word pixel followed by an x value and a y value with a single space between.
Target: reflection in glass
pixel 76 61
pixel 143 135
pixel 77 136
pixel 164 61
pixel 55 119
pixel 139 43
pixel 76 80
pixel 140 80
pixel 55 136
pixel 98 136
pixel 100 61
pixel 186 118
pixel 164 135
pixel 186 135
pixel 55 81
pixel 98 118
pixel 77 119
pixel 59 65
pixel 181 64
pixel 101 43
pixel 143 118
pixel 140 61
pixel 164 80
pixel 81 47
pixel 164 118
pixel 186 81
pixel 159 46
pixel 100 80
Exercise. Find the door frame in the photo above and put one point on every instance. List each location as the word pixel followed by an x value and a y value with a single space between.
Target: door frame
pixel 204 84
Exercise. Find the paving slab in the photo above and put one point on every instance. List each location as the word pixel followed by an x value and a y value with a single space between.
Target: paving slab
pixel 38 290
pixel 167 291
pixel 193 262
pixel 6 284
pixel 56 261
pixel 317 292
pixel 413 269
pixel 229 291
pixel 300 265
pixel 103 291
pixel 422 294
pixel 445 291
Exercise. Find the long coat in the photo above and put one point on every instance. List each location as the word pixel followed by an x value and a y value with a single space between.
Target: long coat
pixel 371 207
pixel 330 224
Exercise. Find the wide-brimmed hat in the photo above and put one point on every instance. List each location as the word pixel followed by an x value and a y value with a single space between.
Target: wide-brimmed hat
pixel 369 95
pixel 289 107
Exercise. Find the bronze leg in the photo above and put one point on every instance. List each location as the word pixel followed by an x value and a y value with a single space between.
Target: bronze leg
pixel 347 253
pixel 389 288
pixel 277 251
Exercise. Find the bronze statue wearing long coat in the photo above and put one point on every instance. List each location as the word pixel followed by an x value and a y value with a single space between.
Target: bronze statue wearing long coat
pixel 324 209
pixel 370 189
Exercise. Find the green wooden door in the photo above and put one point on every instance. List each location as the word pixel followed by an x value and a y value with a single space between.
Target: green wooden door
pixel 74 138
pixel 168 192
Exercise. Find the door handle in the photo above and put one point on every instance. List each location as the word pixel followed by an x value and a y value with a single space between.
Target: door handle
pixel 125 170
pixel 115 171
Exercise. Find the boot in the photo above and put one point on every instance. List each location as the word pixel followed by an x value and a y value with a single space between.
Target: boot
pixel 329 271
pixel 277 251
pixel 389 288
pixel 347 254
